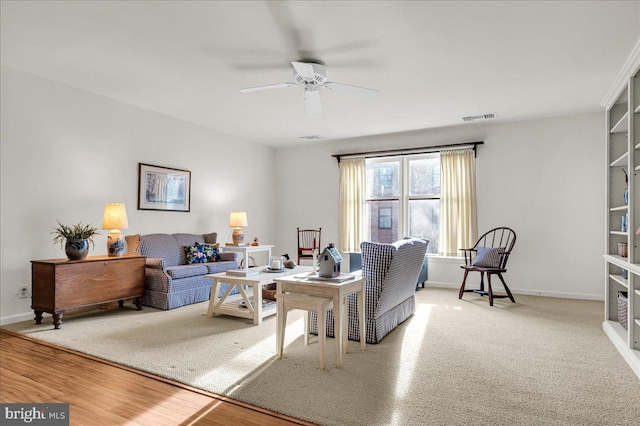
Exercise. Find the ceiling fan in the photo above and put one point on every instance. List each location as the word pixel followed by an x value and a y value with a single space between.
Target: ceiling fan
pixel 312 76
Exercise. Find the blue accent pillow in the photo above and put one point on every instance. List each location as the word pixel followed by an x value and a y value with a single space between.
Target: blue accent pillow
pixel 488 257
pixel 195 254
pixel 210 251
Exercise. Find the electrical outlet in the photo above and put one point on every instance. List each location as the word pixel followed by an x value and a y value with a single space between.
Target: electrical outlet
pixel 23 292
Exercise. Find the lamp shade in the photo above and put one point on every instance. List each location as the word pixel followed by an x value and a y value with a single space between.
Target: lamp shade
pixel 237 219
pixel 115 216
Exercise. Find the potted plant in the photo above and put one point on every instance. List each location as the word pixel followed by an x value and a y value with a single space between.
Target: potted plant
pixel 76 238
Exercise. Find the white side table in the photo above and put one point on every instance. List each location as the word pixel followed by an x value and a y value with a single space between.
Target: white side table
pixel 245 250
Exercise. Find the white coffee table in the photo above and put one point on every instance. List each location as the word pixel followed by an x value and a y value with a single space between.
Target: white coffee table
pixel 234 307
pixel 245 250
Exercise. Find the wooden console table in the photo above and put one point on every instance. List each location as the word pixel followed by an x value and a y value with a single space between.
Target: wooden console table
pixel 58 285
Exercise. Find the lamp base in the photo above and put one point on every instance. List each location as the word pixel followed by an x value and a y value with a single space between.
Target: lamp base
pixel 116 243
pixel 237 235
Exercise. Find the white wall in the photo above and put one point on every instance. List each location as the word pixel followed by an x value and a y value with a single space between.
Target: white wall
pixel 66 152
pixel 543 178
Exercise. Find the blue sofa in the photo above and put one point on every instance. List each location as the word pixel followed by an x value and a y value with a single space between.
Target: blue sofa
pixel 169 281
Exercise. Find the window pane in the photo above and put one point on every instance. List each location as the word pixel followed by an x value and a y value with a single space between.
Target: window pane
pixel 383 179
pixel 382 217
pixel 424 222
pixel 424 176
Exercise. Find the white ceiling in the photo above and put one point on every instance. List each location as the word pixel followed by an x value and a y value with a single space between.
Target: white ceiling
pixel 434 62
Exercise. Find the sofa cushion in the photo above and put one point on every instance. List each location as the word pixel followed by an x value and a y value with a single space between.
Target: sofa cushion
pixel 195 254
pixel 186 240
pixel 211 238
pixel 184 271
pixel 133 243
pixel 211 251
pixel 162 246
pixel 216 267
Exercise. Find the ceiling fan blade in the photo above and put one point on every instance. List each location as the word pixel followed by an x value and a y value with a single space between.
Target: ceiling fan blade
pixel 351 90
pixel 312 101
pixel 305 70
pixel 269 86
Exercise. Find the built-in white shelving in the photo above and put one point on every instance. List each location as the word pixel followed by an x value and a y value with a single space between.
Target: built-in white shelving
pixel 622 274
pixel 619 208
pixel 621 161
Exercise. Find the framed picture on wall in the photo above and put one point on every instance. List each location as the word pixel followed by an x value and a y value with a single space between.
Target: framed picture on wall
pixel 163 188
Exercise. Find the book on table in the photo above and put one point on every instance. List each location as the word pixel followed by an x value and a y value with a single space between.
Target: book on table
pixel 243 272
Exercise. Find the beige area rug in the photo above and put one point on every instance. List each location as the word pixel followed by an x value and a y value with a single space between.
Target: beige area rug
pixel 542 361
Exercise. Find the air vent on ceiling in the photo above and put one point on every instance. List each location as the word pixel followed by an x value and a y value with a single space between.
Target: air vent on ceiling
pixel 310 138
pixel 479 117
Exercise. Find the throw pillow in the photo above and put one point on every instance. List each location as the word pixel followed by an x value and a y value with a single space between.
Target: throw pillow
pixel 195 254
pixel 488 257
pixel 211 251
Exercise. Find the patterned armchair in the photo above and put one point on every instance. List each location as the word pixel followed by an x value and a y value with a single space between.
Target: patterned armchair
pixel 392 271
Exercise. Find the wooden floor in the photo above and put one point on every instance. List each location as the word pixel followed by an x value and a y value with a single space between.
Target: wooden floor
pixel 103 393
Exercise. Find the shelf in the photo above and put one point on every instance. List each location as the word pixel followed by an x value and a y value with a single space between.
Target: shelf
pixel 637 321
pixel 617 209
pixel 618 337
pixel 622 126
pixel 637 109
pixel 620 161
pixel 638 292
pixel 637 145
pixel 618 233
pixel 622 281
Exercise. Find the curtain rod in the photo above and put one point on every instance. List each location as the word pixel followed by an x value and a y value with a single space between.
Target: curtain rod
pixel 404 151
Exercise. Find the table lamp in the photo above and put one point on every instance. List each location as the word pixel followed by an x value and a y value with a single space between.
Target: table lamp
pixel 115 219
pixel 237 220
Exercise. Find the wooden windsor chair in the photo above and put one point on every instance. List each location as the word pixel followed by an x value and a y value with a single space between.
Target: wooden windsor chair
pixel 489 256
pixel 308 241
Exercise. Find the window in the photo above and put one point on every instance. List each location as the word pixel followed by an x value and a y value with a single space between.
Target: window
pixel 403 198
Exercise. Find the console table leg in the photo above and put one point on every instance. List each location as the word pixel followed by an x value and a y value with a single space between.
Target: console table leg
pixel 120 303
pixel 38 317
pixel 57 321
pixel 138 301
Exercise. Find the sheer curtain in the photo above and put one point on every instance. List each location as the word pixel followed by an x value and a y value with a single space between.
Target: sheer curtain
pixel 458 225
pixel 352 196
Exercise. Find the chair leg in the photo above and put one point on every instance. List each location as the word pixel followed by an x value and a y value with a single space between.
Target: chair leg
pixel 490 290
pixel 464 280
pixel 506 288
pixel 482 281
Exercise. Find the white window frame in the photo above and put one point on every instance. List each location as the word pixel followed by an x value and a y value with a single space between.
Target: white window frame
pixel 404 198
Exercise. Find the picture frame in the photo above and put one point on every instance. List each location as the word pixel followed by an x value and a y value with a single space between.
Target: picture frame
pixel 163 188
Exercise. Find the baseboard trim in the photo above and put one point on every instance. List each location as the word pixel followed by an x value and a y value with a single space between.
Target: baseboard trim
pixel 10 319
pixel 527 292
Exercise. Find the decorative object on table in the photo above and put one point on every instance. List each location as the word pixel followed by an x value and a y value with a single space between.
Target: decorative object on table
pixel 238 220
pixel 626 190
pixel 330 262
pixel 623 224
pixel 288 262
pixel 76 238
pixel 623 272
pixel 269 292
pixel 115 219
pixel 623 249
pixel 255 242
pixel 276 263
pixel 163 188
